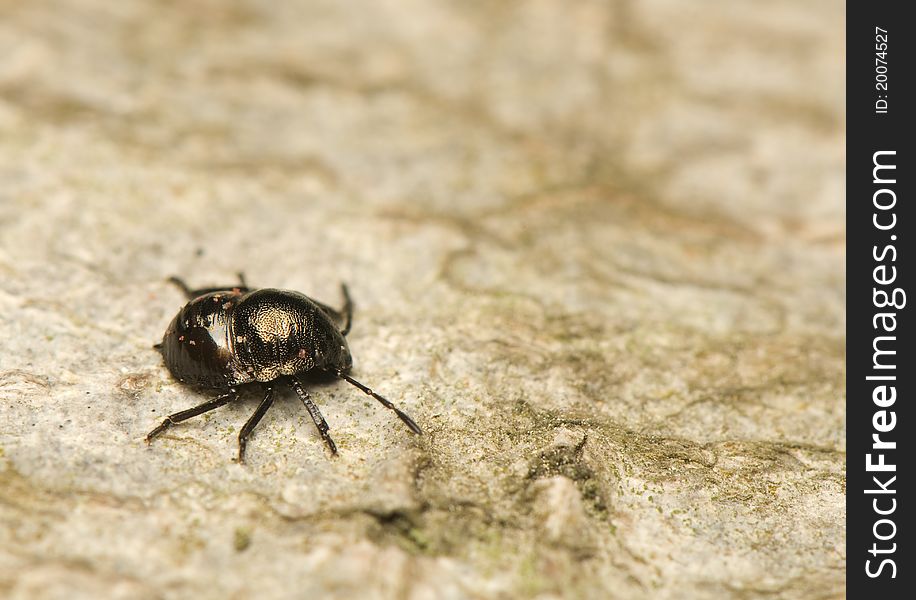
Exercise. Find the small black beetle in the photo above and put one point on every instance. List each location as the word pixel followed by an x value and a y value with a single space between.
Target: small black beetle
pixel 227 337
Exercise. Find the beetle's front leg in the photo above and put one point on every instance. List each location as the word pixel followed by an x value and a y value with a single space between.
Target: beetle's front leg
pixel 252 422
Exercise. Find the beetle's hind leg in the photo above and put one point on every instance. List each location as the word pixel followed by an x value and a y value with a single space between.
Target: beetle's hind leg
pixel 383 401
pixel 200 409
pixel 342 318
pixel 178 282
pixel 191 293
pixel 310 406
pixel 253 421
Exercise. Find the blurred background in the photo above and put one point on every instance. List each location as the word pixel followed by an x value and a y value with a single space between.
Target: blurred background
pixel 596 250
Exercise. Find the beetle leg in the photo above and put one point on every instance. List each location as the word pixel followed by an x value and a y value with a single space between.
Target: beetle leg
pixel 253 421
pixel 193 412
pixel 310 406
pixel 342 318
pixel 182 286
pixel 385 402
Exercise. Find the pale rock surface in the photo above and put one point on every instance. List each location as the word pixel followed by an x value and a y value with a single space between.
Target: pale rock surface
pixel 596 249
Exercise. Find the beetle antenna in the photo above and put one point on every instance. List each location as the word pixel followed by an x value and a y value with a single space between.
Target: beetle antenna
pixel 385 402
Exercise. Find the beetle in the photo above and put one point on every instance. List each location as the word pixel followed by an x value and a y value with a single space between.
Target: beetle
pixel 228 337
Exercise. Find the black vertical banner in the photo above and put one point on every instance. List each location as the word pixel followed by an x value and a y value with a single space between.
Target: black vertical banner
pixel 881 373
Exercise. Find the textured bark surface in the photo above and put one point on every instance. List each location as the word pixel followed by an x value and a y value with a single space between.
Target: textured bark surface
pixel 596 250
